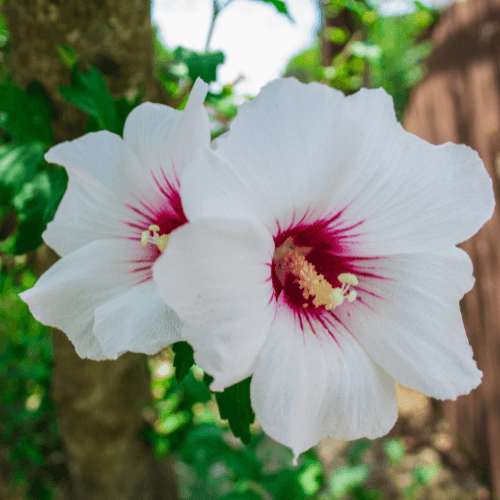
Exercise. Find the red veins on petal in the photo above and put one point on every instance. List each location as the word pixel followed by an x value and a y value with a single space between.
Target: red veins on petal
pixel 327 244
pixel 166 213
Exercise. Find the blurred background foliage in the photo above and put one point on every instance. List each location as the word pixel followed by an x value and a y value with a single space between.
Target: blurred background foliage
pixel 185 418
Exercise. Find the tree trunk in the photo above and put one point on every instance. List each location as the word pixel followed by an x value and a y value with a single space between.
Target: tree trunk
pixel 459 101
pixel 99 403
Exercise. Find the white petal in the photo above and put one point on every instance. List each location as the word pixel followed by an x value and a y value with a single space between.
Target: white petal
pixel 307 387
pixel 137 321
pixel 215 274
pixel 412 196
pixel 146 130
pixel 162 136
pixel 103 155
pixel 105 173
pixel 67 295
pixel 87 212
pixel 101 168
pixel 415 330
pixel 301 149
pixel 279 158
pixel 192 132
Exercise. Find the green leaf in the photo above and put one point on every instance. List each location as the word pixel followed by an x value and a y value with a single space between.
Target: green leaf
pixel 26 113
pixel 94 83
pixel 67 54
pixel 19 164
pixel 234 406
pixel 171 423
pixel 36 203
pixel 337 35
pixel 194 391
pixel 306 66
pixel 183 359
pixel 29 235
pixel 30 203
pixel 280 6
pixel 394 450
pixel 80 98
pixel 203 65
pixel 427 473
pixel 346 478
pixel 33 194
pixel 89 92
pixel 58 179
pixel 357 449
pixel 310 479
pixel 202 444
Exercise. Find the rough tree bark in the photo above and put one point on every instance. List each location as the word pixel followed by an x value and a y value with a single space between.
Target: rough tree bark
pixel 99 403
pixel 459 101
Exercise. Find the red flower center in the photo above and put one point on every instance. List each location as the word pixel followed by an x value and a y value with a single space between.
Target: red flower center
pixel 316 269
pixel 154 222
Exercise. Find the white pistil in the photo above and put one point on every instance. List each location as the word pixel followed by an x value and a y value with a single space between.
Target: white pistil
pixel 159 240
pixel 339 294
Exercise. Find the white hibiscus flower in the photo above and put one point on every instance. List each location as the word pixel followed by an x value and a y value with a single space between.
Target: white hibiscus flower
pixel 121 204
pixel 320 259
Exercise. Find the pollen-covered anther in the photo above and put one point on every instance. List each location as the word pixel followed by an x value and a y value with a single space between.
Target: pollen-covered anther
pixel 159 240
pixel 314 284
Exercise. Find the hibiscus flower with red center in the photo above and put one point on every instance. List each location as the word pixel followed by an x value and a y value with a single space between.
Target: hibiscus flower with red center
pixel 320 259
pixel 120 207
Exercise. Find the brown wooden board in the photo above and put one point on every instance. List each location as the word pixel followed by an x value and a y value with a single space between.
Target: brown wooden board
pixel 459 101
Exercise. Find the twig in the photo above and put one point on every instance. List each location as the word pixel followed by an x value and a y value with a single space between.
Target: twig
pixel 217 10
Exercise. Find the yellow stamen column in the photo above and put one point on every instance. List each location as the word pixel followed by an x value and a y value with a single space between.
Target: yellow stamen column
pixel 313 284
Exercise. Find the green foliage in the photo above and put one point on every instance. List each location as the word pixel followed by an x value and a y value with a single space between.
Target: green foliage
pixel 177 71
pixel 27 413
pixel 346 479
pixel 89 93
pixel 215 469
pixel 183 360
pixel 235 407
pixel 280 6
pixel 224 108
pixel 374 51
pixel 203 65
pixel 172 405
pixel 68 55
pixel 394 450
pixel 27 184
pixel 26 114
pixel 36 205
pixel 19 163
pixel 347 68
pixel 212 465
pixel 357 449
pixel 30 188
pixel 306 66
pixel 168 71
pixel 311 478
pixel 4 32
pixel 397 65
pixel 426 473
